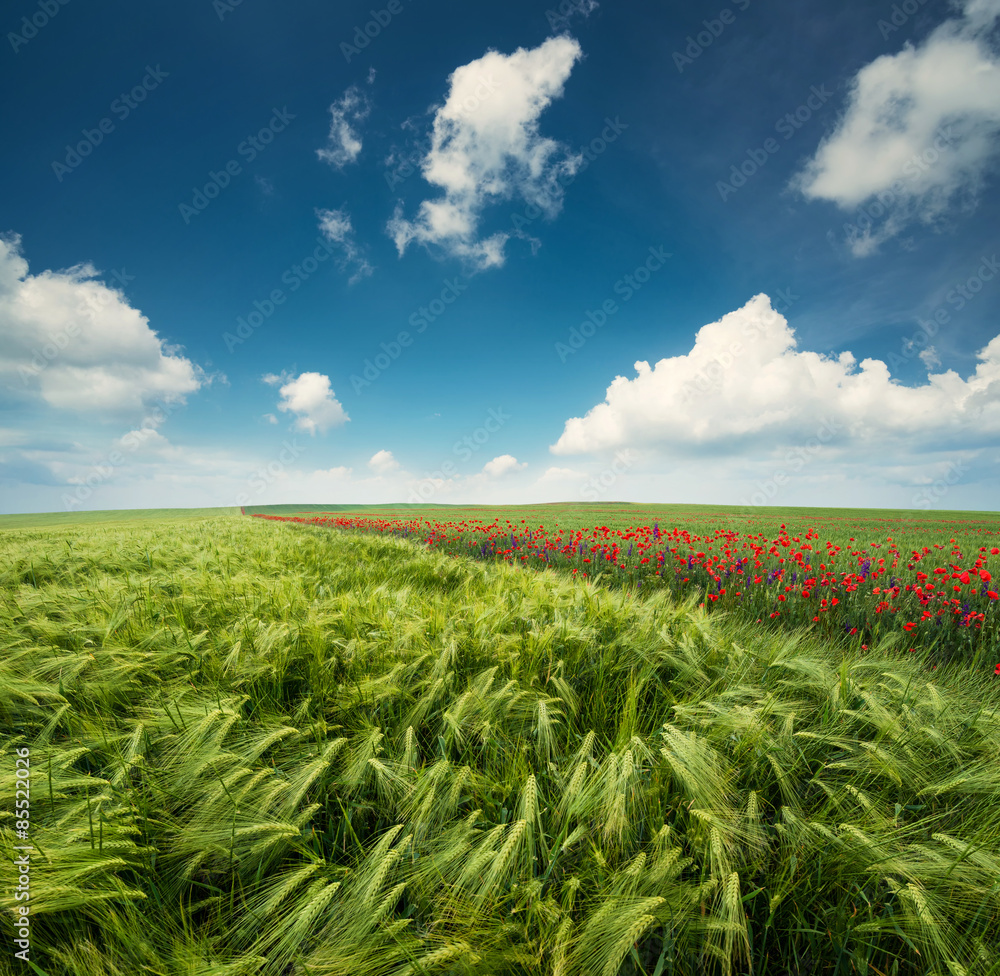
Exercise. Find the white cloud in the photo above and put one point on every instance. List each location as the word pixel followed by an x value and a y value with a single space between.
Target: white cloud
pixel 556 474
pixel 156 473
pixel 486 147
pixel 311 399
pixel 744 383
pixel 149 443
pixel 382 462
pixel 344 142
pixel 77 344
pixel 340 473
pixel 270 418
pixel 337 228
pixel 503 465
pixel 930 358
pixel 919 131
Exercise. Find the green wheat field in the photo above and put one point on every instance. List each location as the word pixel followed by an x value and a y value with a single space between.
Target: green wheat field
pixel 282 749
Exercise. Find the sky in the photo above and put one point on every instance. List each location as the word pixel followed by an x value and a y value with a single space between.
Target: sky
pixel 255 252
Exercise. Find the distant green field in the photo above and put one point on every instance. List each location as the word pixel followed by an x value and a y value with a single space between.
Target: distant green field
pixel 55 519
pixel 695 518
pixel 848 575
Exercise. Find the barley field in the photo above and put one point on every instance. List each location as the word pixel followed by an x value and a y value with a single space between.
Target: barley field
pixel 851 577
pixel 274 748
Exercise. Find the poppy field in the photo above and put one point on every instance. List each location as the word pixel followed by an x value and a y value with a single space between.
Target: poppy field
pixel 855 580
pixel 300 748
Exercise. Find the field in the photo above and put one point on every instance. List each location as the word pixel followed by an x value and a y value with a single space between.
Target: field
pixel 74 519
pixel 258 747
pixel 849 577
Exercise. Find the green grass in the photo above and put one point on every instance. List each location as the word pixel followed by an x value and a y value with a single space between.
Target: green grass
pixel 881 574
pixel 57 519
pixel 278 749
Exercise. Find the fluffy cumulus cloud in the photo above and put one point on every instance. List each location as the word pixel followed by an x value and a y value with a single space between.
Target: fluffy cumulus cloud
pixel 76 343
pixel 310 398
pixel 486 147
pixel 919 131
pixel 343 144
pixel 745 383
pixel 503 465
pixel 336 227
pixel 382 462
pixel 555 476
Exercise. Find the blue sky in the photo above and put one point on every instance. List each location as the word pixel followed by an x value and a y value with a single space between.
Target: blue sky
pixel 257 252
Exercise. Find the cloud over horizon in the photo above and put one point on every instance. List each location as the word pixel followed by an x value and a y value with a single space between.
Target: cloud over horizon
pixel 78 345
pixel 311 399
pixel 503 465
pixel 745 382
pixel 382 462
